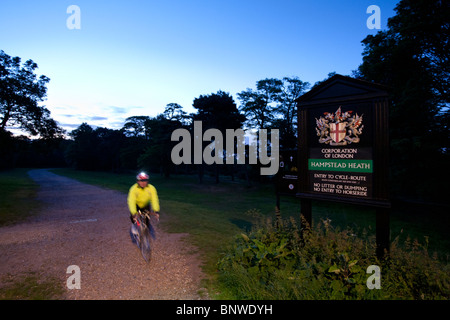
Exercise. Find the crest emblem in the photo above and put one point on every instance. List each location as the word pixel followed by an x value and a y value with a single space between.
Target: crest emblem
pixel 339 129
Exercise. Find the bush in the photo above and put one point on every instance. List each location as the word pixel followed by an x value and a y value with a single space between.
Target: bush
pixel 276 261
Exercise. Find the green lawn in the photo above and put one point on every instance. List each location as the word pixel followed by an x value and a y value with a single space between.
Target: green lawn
pixel 17 202
pixel 31 286
pixel 213 214
pixel 17 196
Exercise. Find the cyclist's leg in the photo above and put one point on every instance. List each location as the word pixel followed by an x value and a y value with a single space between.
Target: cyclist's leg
pixel 147 221
pixel 152 230
pixel 133 234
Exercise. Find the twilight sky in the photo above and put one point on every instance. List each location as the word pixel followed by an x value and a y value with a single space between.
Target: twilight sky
pixel 134 57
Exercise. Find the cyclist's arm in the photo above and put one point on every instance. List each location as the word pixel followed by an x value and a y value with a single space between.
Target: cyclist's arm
pixel 131 200
pixel 154 200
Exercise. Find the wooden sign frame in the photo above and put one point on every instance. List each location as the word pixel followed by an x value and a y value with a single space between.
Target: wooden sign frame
pixel 343 148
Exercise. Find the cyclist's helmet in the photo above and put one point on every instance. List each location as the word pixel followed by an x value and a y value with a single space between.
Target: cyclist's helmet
pixel 142 177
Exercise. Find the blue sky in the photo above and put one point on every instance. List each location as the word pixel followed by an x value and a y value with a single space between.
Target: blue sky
pixel 135 57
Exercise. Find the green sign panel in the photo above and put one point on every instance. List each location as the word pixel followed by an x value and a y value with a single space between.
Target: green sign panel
pixel 341 165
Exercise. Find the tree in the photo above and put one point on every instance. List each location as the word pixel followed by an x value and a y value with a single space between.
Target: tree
pixel 273 105
pixel 82 152
pixel 218 111
pixel 20 92
pixel 136 126
pixel 257 105
pixel 425 26
pixel 95 149
pixel 157 152
pixel 158 147
pixel 175 112
pixel 291 89
pixel 412 59
pixel 110 142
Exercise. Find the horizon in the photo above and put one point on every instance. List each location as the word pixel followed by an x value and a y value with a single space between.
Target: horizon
pixel 132 58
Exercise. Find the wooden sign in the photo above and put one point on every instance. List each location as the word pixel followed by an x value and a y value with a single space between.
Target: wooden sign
pixel 344 145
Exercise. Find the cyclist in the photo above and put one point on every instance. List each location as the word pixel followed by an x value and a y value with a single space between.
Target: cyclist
pixel 143 196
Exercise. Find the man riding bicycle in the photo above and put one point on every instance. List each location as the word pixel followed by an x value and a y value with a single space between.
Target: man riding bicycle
pixel 143 196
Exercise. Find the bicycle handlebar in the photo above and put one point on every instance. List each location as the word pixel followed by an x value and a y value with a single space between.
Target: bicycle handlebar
pixel 145 212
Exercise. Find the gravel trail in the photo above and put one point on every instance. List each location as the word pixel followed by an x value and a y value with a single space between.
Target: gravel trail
pixel 88 226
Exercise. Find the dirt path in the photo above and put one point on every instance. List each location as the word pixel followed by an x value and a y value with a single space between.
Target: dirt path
pixel 88 226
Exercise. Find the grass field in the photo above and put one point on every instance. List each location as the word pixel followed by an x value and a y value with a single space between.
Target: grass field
pixel 18 202
pixel 31 286
pixel 213 214
pixel 17 196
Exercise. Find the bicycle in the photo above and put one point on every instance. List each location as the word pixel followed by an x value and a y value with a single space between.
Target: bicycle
pixel 144 238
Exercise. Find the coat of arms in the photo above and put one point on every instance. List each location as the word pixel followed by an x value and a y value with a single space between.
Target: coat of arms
pixel 339 129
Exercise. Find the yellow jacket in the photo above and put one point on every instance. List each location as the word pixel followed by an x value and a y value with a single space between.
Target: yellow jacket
pixel 141 197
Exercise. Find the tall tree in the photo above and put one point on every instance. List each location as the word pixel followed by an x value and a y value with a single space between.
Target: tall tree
pixel 156 155
pixel 258 106
pixel 273 105
pixel 412 58
pixel 110 142
pixel 218 111
pixel 95 149
pixel 136 126
pixel 20 93
pixel 175 112
pixel 82 152
pixel 291 89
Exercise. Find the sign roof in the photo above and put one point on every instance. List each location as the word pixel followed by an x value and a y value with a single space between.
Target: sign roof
pixel 340 87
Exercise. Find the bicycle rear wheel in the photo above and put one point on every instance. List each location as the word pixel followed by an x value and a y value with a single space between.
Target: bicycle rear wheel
pixel 145 245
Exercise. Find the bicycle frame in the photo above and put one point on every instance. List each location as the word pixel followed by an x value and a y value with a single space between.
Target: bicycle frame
pixel 144 238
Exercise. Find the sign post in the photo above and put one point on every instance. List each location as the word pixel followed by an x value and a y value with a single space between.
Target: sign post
pixel 286 178
pixel 343 148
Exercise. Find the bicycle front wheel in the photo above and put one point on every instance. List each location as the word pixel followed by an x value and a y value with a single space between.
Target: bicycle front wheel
pixel 145 246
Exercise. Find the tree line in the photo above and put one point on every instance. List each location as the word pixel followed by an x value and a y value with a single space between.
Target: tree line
pixel 411 57
pixel 144 142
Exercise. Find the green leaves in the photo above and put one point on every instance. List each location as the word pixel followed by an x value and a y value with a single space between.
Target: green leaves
pixel 334 268
pixel 272 262
pixel 260 256
pixel 20 93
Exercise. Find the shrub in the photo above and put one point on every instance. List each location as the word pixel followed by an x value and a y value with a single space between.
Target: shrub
pixel 280 261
